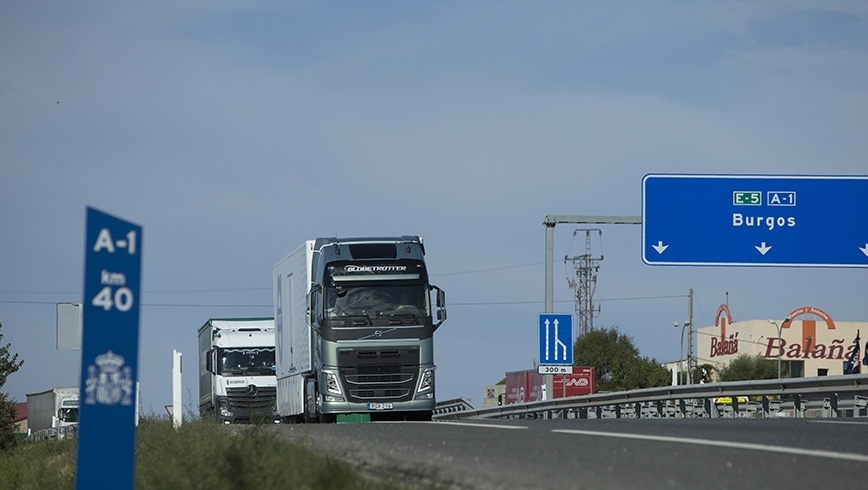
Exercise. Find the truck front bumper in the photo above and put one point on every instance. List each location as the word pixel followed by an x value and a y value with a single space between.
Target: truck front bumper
pixel 337 407
pixel 235 413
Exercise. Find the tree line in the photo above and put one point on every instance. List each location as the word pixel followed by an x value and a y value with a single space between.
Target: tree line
pixel 9 364
pixel 619 365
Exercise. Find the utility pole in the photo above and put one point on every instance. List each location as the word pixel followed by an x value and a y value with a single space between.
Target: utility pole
pixel 550 222
pixel 691 359
pixel 585 286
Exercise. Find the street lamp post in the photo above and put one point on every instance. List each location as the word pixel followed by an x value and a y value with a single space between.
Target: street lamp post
pixel 779 343
pixel 681 354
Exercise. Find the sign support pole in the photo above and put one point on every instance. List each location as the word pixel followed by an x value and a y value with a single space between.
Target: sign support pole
pixel 550 222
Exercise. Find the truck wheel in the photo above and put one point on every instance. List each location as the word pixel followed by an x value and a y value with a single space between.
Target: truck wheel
pixel 327 418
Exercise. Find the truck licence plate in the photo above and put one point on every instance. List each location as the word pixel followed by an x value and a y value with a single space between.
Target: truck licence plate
pixel 379 406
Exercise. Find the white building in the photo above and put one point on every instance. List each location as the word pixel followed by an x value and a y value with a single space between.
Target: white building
pixel 807 341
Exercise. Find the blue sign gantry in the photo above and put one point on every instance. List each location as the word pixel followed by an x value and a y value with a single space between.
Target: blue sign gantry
pixel 755 220
pixel 109 353
pixel 555 339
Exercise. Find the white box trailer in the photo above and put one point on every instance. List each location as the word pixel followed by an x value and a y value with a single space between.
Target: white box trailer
pixel 53 409
pixel 294 356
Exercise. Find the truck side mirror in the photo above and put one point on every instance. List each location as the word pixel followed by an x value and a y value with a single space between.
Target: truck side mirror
pixel 311 305
pixel 209 361
pixel 441 306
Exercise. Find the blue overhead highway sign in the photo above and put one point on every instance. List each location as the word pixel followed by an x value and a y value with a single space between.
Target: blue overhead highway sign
pixel 755 220
pixel 555 339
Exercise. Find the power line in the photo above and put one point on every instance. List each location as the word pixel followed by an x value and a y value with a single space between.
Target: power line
pixel 205 306
pixel 634 298
pixel 488 270
pixel 491 303
pixel 231 290
pixel 476 303
pixel 638 298
pixel 171 305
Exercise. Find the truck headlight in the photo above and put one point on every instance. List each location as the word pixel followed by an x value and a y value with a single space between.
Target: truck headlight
pixel 224 410
pixel 426 382
pixel 331 383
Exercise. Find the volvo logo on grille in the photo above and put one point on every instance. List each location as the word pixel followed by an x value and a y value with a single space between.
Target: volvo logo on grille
pixel 252 390
pixel 378 333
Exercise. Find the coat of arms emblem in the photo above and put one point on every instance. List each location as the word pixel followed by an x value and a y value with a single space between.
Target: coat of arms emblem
pixel 109 382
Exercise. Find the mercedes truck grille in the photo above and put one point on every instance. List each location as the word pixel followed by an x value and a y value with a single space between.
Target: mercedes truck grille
pixel 246 400
pixel 379 374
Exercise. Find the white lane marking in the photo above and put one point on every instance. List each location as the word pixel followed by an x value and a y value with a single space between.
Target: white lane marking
pixel 736 445
pixel 489 426
pixel 839 422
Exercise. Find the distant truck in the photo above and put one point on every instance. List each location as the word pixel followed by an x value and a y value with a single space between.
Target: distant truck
pixel 355 330
pixel 529 386
pixel 53 409
pixel 237 383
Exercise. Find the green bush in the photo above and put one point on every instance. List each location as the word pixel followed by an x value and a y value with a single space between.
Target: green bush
pixel 39 465
pixel 199 455
pixel 746 367
pixel 208 456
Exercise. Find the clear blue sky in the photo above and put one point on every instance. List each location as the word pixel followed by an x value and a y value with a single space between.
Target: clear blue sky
pixel 232 131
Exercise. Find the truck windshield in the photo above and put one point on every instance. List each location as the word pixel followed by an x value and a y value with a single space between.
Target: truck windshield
pixel 375 301
pixel 247 361
pixel 68 414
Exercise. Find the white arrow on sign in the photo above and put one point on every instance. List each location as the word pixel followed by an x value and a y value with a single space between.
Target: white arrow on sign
pixel 660 248
pixel 558 343
pixel 864 249
pixel 763 248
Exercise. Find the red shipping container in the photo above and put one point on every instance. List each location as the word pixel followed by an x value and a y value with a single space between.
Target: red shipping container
pixel 529 386
pixel 581 382
pixel 523 386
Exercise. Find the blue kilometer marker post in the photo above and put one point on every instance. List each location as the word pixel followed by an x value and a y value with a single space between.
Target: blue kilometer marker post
pixel 755 220
pixel 109 353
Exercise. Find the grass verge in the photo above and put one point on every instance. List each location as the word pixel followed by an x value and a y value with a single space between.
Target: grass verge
pixel 199 455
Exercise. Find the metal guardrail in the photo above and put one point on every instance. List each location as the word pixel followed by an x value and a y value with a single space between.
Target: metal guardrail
pixel 56 433
pixel 836 396
pixel 452 406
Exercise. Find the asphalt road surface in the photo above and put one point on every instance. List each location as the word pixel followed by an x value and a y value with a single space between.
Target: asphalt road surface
pixel 603 454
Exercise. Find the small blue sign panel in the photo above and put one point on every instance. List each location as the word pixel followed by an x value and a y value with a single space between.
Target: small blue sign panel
pixel 556 339
pixel 755 220
pixel 109 353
